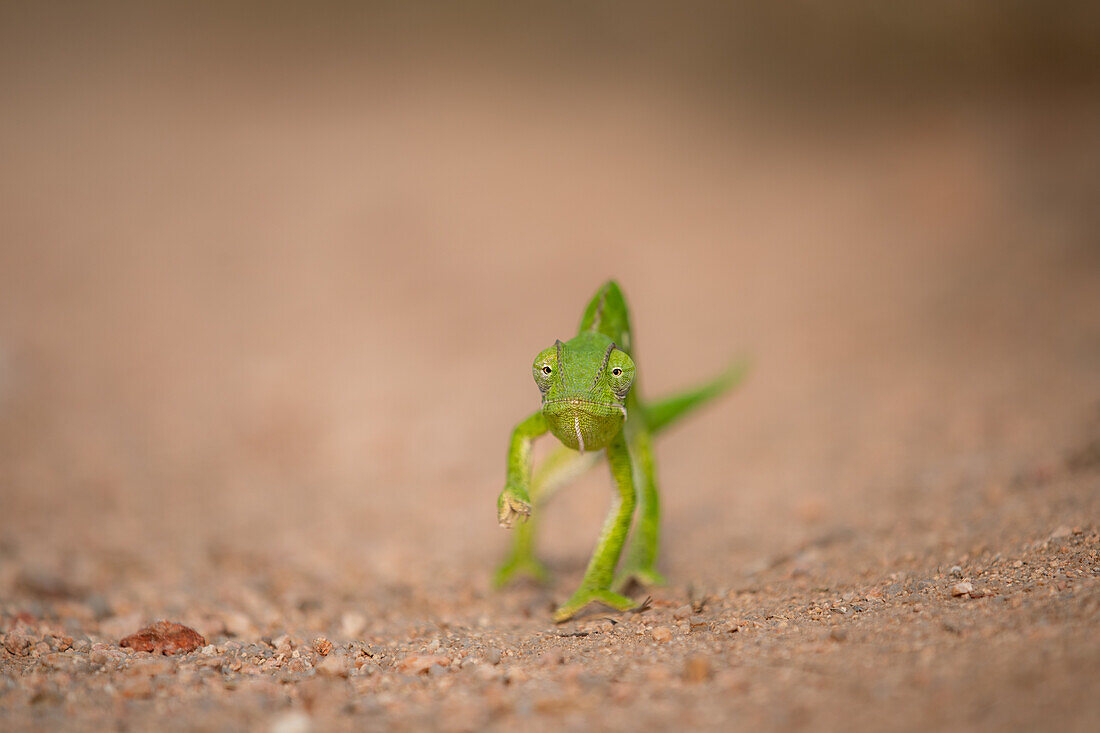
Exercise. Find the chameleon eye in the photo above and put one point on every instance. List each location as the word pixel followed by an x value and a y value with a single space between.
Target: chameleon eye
pixel 546 370
pixel 617 371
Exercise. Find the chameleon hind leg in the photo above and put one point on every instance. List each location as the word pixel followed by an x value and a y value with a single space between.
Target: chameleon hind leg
pixel 596 585
pixel 641 559
pixel 560 467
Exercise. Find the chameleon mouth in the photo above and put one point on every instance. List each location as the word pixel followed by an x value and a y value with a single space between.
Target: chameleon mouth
pixel 584 424
pixel 580 404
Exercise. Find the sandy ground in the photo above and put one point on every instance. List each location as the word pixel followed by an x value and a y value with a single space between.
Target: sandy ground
pixel 263 339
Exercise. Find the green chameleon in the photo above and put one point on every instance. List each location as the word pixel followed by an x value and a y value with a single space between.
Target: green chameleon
pixel 588 404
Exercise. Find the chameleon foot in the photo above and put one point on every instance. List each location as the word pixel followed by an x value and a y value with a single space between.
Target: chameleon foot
pixel 513 504
pixel 583 597
pixel 520 566
pixel 647 577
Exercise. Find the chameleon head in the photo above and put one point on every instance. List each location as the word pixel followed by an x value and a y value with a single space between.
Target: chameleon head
pixel 584 384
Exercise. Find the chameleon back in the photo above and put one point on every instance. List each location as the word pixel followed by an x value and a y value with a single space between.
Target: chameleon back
pixel 607 314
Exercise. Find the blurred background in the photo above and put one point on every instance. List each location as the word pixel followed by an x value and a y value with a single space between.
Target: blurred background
pixel 272 275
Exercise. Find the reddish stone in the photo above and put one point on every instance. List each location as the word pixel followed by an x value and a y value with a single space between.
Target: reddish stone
pixel 164 637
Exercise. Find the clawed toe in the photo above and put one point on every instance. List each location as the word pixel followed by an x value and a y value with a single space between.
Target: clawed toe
pixel 582 598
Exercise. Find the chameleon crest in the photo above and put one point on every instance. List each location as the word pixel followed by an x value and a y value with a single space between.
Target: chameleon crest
pixel 590 404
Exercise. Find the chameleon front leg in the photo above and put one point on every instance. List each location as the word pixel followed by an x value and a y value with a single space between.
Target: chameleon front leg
pixel 514 501
pixel 641 558
pixel 596 584
pixel 558 469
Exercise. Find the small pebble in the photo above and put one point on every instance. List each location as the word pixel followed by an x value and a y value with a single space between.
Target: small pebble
pixel 17 643
pixel 60 643
pixel 661 634
pixel 322 646
pixel 164 637
pixel 298 666
pixel 962 589
pixel 684 611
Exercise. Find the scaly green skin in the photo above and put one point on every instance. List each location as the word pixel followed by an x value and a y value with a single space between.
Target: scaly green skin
pixel 589 404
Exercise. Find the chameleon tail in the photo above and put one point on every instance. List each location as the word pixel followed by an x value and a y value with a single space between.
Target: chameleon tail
pixel 663 412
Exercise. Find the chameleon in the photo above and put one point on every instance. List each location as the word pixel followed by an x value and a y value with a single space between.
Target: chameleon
pixel 591 404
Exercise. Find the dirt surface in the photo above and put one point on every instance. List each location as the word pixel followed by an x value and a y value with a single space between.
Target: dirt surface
pixel 264 334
